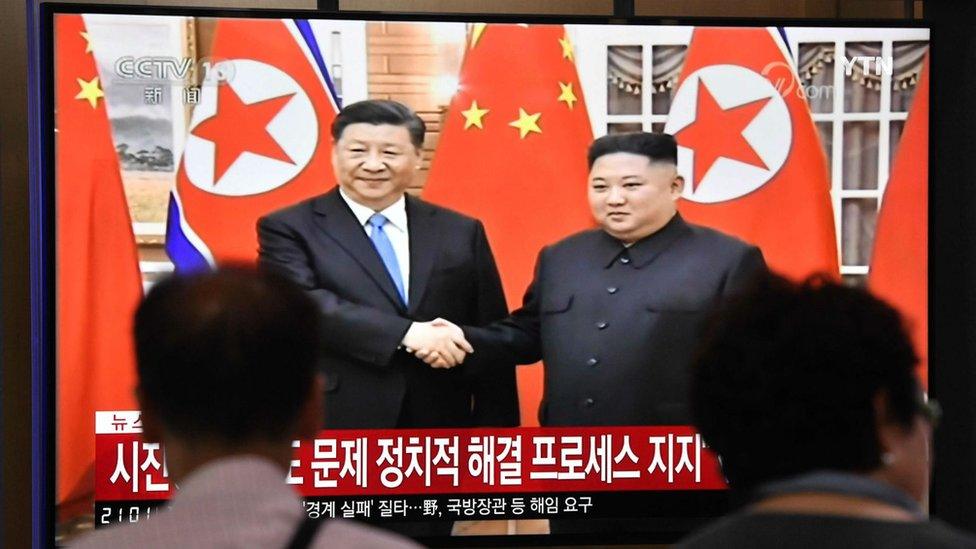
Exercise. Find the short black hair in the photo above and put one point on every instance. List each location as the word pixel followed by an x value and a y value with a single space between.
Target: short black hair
pixel 227 355
pixel 377 112
pixel 786 379
pixel 657 147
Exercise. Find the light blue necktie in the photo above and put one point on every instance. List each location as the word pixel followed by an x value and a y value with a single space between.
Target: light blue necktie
pixel 385 248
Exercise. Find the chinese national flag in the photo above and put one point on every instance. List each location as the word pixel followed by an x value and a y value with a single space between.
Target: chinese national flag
pixel 98 281
pixel 899 266
pixel 749 150
pixel 513 154
pixel 258 140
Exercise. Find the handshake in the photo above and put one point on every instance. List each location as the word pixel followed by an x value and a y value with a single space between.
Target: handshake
pixel 440 343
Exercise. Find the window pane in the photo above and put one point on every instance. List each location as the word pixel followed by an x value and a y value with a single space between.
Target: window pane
pixel 625 65
pixel 894 138
pixel 858 217
pixel 816 68
pixel 666 68
pixel 908 57
pixel 860 169
pixel 826 131
pixel 862 89
pixel 658 127
pixel 624 127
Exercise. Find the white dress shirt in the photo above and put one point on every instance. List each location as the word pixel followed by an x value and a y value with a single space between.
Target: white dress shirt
pixel 235 502
pixel 396 230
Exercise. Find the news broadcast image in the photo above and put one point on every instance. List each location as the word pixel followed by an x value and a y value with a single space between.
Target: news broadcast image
pixel 175 134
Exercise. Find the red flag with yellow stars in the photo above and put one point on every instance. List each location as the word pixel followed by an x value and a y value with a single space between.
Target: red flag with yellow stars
pixel 899 268
pixel 513 154
pixel 98 279
pixel 749 150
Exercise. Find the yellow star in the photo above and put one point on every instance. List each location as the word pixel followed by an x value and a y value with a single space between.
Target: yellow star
pixel 88 45
pixel 526 123
pixel 476 31
pixel 473 116
pixel 90 91
pixel 567 48
pixel 567 94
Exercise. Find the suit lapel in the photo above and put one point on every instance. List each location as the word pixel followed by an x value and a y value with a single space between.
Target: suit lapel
pixel 337 221
pixel 424 247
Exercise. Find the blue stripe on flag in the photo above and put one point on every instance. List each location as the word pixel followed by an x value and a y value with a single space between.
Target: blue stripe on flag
pixel 305 28
pixel 185 256
pixel 786 43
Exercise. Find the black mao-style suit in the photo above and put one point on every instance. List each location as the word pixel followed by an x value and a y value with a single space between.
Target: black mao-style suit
pixel 370 381
pixel 616 327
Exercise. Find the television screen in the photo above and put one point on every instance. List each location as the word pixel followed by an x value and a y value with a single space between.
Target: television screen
pixel 175 134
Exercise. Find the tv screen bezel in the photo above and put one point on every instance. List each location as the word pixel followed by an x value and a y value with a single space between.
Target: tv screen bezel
pixel 42 235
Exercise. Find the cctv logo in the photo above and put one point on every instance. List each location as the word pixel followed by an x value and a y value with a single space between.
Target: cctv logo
pixel 168 69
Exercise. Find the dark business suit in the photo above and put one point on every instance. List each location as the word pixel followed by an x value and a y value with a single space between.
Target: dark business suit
pixel 616 327
pixel 370 381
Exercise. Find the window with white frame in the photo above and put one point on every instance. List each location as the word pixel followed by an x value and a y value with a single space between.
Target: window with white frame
pixel 860 117
pixel 342 44
pixel 629 79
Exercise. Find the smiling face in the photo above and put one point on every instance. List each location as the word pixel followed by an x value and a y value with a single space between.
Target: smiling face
pixel 632 197
pixel 374 164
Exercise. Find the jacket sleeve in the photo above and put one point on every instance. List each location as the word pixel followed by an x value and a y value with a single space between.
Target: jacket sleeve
pixel 517 337
pixel 357 331
pixel 747 269
pixel 495 389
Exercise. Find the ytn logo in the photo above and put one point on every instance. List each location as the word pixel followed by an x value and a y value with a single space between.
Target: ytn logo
pixel 882 65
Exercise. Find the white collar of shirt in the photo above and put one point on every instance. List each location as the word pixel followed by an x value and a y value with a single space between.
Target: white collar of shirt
pixel 395 214
pixel 396 230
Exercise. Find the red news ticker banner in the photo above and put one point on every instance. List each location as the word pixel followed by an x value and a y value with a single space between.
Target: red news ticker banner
pixel 446 461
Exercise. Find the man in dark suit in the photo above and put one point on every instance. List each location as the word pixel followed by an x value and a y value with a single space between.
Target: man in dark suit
pixel 381 265
pixel 228 437
pixel 616 313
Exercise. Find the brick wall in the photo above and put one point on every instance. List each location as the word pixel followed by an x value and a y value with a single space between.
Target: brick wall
pixel 405 61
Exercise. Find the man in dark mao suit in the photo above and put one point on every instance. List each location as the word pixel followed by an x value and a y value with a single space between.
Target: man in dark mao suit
pixel 381 265
pixel 616 313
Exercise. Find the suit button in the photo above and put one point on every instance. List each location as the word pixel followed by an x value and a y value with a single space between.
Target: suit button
pixel 589 402
pixel 625 260
pixel 593 361
pixel 612 290
pixel 601 325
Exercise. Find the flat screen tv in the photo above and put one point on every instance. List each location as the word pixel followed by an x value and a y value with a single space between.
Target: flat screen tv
pixel 168 133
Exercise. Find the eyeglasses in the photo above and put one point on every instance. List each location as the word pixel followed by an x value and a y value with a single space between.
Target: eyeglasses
pixel 930 410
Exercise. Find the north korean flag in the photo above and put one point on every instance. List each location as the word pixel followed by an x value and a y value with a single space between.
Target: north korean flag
pixel 258 140
pixel 749 150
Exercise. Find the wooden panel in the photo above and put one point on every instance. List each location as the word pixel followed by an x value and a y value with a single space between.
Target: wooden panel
pixel 873 9
pixel 15 372
pixel 867 9
pixel 576 7
pixel 720 8
pixel 278 4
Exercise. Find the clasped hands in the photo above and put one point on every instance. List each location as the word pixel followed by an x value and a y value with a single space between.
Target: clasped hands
pixel 440 343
